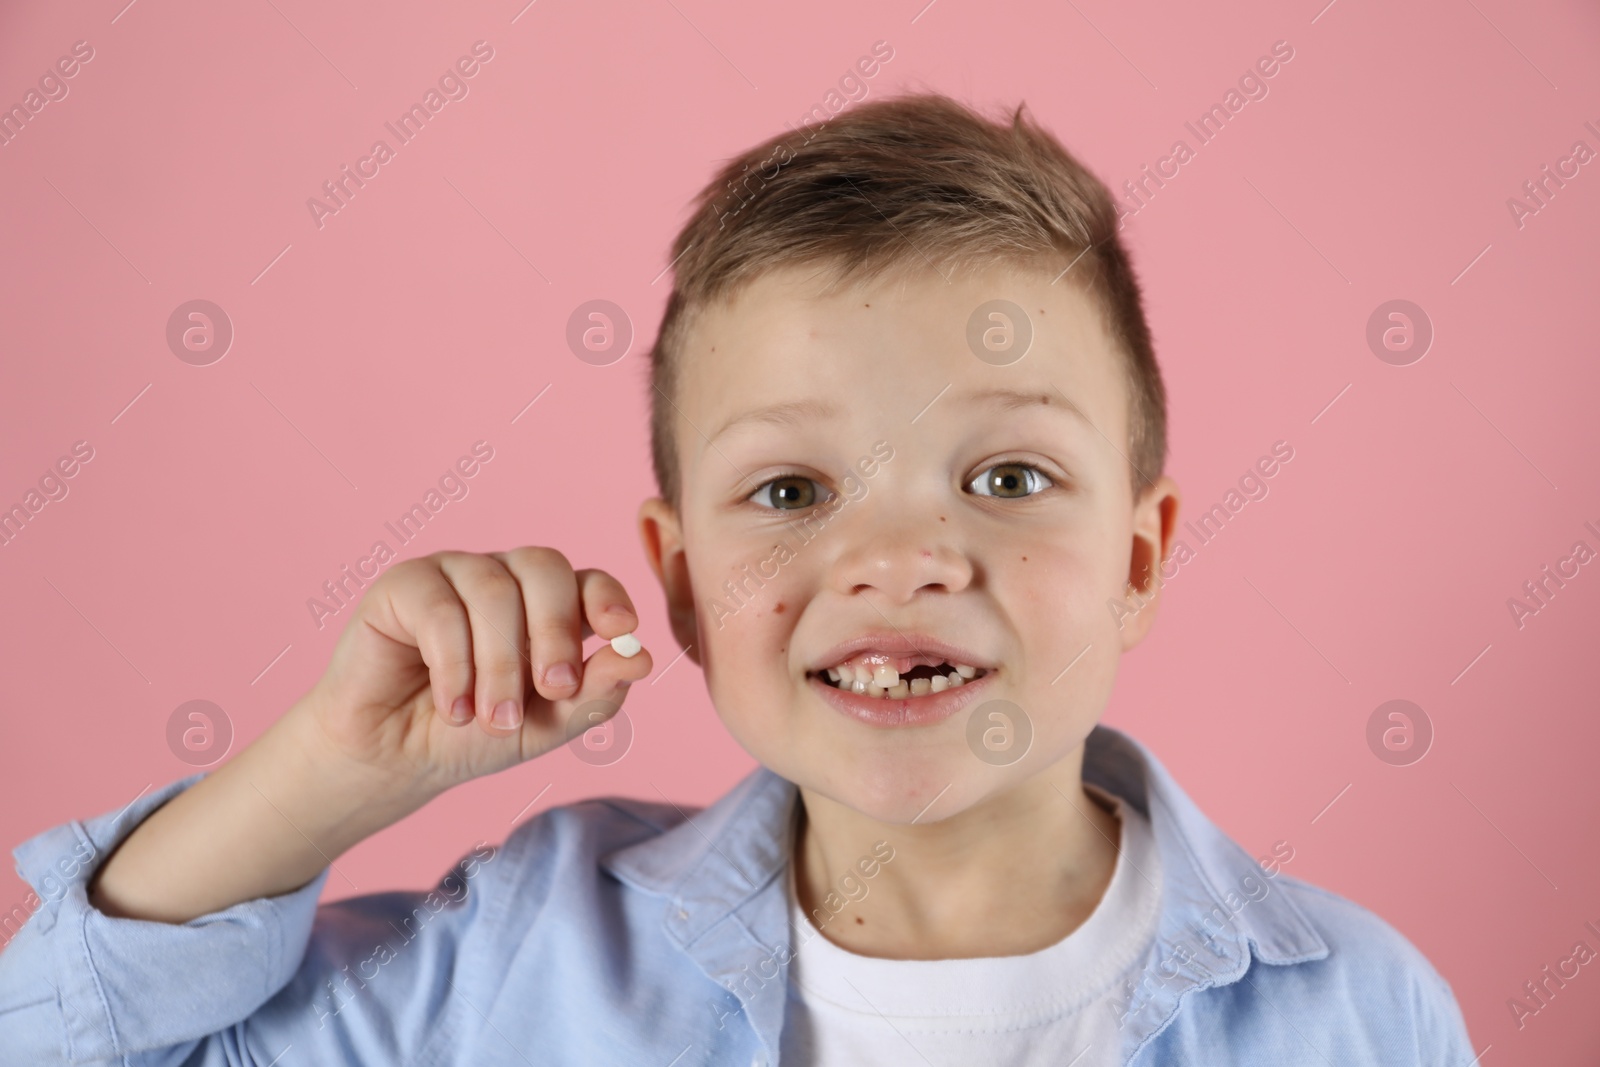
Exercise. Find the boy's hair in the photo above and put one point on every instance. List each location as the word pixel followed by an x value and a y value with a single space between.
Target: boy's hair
pixel 903 182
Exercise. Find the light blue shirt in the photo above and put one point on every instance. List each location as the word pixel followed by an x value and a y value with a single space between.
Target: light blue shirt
pixel 618 931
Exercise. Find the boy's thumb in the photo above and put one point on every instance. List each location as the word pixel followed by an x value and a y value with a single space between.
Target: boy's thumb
pixel 601 693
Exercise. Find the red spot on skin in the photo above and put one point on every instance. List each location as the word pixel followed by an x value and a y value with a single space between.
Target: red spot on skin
pixel 941 518
pixel 779 609
pixel 859 919
pixel 1024 559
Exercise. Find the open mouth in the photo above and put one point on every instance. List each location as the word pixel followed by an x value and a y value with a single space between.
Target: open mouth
pixel 876 676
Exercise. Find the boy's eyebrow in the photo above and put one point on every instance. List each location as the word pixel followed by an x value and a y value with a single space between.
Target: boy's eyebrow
pixel 789 413
pixel 1020 399
pixel 795 412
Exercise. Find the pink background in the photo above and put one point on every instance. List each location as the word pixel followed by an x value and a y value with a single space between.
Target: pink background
pixel 373 351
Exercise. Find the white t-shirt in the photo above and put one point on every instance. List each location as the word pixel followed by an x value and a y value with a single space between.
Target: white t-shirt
pixel 1055 1006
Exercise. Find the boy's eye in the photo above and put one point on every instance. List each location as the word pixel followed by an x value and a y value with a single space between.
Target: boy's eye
pixel 1010 480
pixel 792 492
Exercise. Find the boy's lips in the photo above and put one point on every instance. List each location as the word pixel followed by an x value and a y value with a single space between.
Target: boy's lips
pixel 885 711
pixel 896 645
pixel 899 678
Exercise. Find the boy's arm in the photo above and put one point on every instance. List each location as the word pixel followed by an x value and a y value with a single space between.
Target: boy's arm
pixel 174 920
pixel 263 824
pixel 81 986
pixel 240 984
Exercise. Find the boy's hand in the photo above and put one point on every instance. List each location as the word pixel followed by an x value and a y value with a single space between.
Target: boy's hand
pixel 443 649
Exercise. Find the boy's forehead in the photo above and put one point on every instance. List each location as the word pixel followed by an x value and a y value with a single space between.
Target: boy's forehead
pixel 895 342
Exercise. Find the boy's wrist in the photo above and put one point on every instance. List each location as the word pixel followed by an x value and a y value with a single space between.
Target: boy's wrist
pixel 343 799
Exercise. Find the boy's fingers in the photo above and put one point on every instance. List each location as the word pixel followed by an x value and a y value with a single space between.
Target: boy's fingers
pixel 554 620
pixel 605 680
pixel 426 606
pixel 602 595
pixel 495 614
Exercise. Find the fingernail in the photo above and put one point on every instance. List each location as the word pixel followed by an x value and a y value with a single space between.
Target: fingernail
pixel 618 609
pixel 507 714
pixel 461 710
pixel 560 675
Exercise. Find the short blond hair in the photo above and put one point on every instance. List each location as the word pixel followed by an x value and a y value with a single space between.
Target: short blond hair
pixel 916 179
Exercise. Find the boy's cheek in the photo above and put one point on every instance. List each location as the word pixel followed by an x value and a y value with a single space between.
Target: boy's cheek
pixel 746 609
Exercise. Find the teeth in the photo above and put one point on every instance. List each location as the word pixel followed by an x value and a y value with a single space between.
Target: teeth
pixel 878 680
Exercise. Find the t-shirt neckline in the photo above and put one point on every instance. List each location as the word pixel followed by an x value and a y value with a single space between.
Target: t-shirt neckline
pixel 1033 987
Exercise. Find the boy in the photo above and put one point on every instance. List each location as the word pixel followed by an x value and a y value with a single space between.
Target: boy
pixel 909 434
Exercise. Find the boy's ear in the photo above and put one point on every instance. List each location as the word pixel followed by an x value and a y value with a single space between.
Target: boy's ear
pixel 1155 522
pixel 662 536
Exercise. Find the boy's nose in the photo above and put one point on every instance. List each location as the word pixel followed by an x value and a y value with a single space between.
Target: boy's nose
pixel 902 562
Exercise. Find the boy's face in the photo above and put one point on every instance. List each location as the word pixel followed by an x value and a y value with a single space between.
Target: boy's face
pixel 908 513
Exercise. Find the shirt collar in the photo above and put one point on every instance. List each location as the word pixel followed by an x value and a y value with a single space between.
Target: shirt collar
pixel 723 863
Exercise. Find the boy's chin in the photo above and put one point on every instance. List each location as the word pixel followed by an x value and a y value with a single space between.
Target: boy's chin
pixel 902 789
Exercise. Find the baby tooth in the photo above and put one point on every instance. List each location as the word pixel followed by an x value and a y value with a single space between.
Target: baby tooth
pixel 955 679
pixel 965 671
pixel 885 676
pixel 938 684
pixel 833 674
pixel 874 689
pixel 626 645
pixel 899 691
pixel 859 685
pixel 919 686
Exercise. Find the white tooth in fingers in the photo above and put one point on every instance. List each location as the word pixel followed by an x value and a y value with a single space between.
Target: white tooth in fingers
pixel 938 684
pixel 833 674
pixel 885 676
pixel 898 691
pixel 859 685
pixel 919 686
pixel 874 689
pixel 955 679
pixel 626 645
pixel 965 671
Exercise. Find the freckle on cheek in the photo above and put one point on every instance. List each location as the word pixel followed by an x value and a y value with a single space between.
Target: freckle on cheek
pixel 778 610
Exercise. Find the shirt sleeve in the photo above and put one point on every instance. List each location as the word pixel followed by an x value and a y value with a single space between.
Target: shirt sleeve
pixel 360 980
pixel 1443 1029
